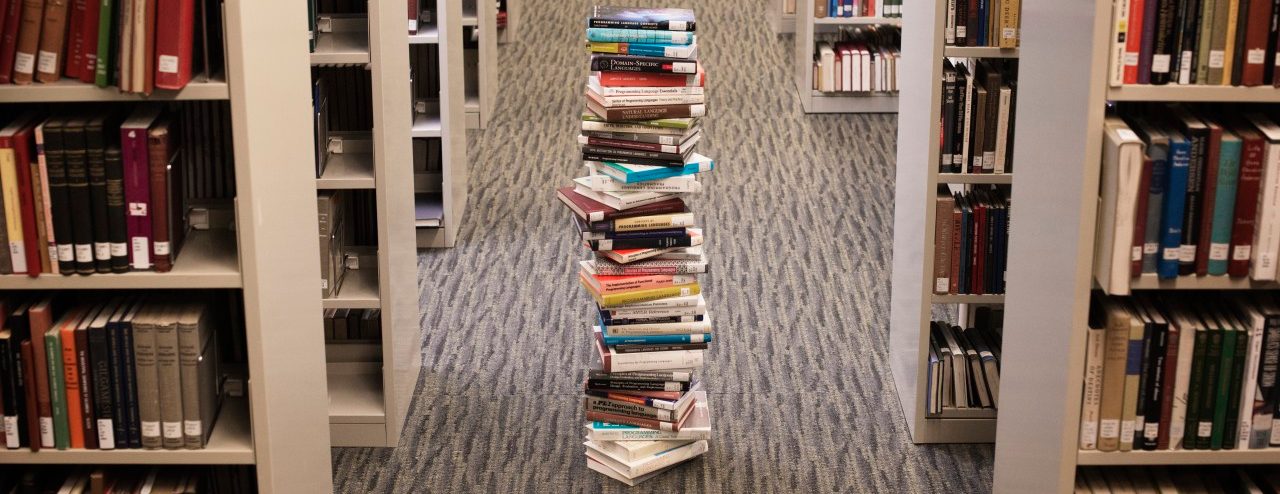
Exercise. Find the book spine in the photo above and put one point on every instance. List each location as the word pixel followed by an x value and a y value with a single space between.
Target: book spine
pixel 1247 385
pixel 98 212
pixel 1195 388
pixel 1153 408
pixel 9 38
pixel 644 243
pixel 46 246
pixel 647 423
pixel 1264 402
pixel 103 72
pixel 632 63
pixel 75 40
pixel 71 376
pixel 1132 386
pixel 644 100
pixel 57 389
pixel 117 230
pixel 11 393
pixel 189 384
pixel 626 433
pixel 677 377
pixel 1254 51
pixel 1168 377
pixel 90 40
pixel 24 59
pixel 623 114
pixel 169 382
pixel 1174 209
pixel 53 34
pixel 1092 401
pixel 657 339
pixel 604 405
pixel 1208 389
pixel 645 79
pixel 119 386
pixel 1217 203
pixel 1204 40
pixel 12 211
pixel 35 430
pixel 1119 29
pixel 1235 380
pixel 639 36
pixel 1193 207
pixel 80 206
pixel 162 248
pixel 173 43
pixel 1222 388
pixel 84 366
pixel 32 253
pixel 662 25
pixel 137 195
pixel 144 358
pixel 1246 207
pixel 103 395
pixel 642 282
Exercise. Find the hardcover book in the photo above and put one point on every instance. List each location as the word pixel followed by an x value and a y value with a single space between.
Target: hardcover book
pixel 666 19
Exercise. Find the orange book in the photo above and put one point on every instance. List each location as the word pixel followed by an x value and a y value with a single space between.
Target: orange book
pixel 71 373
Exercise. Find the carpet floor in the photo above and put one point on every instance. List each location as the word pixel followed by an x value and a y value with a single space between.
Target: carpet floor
pixel 798 219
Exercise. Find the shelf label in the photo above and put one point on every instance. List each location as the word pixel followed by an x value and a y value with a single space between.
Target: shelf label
pixel 150 428
pixel 66 253
pixel 1131 59
pixel 1136 255
pixel 1150 248
pixel 941 285
pixel 1187 253
pixel 1151 430
pixel 46 432
pixel 47 62
pixel 172 430
pixel 141 255
pixel 167 64
pixel 24 62
pixel 11 432
pixel 1241 252
pixel 1204 429
pixel 1216 59
pixel 1109 428
pixel 192 428
pixel 1256 56
pixel 106 434
pixel 1218 251
pixel 101 251
pixel 84 253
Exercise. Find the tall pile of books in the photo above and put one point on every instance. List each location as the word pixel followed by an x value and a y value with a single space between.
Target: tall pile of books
pixel 646 409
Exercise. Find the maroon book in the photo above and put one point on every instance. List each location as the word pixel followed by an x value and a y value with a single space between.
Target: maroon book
pixel 1166 385
pixel 1208 192
pixel 1140 217
pixel 957 222
pixel 593 211
pixel 1251 160
pixel 1257 26
pixel 29 384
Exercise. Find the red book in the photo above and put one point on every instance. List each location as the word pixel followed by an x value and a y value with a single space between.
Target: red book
pixel 40 319
pixel 413 16
pixel 75 40
pixel 89 35
pixel 9 37
pixel 593 211
pixel 173 41
pixel 29 384
pixel 650 79
pixel 1255 43
pixel 1133 41
pixel 1207 194
pixel 90 423
pixel 1140 217
pixel 1251 161
pixel 24 154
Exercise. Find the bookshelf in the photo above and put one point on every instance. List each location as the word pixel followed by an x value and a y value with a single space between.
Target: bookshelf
pixel 1065 85
pixel 449 123
pixel 482 81
pixel 806 26
pixel 782 15
pixel 511 33
pixel 272 426
pixel 913 301
pixel 369 391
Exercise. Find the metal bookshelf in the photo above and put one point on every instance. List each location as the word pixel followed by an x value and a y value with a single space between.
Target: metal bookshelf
pixel 819 102
pixel 270 428
pixel 913 300
pixel 482 85
pixel 1064 84
pixel 450 123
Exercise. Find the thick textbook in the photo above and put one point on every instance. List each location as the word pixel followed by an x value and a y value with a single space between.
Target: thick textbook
pixel 595 211
pixel 666 19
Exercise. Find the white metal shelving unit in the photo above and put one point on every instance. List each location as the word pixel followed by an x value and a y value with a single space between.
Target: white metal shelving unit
pixel 1064 83
pixel 369 392
pixel 272 428
pixel 511 33
pixel 918 177
pixel 819 102
pixel 481 87
pixel 782 14
pixel 450 124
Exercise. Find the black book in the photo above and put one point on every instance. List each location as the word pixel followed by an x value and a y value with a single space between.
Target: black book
pixel 1268 370
pixel 12 394
pixel 977 124
pixel 684 240
pixel 1231 426
pixel 129 384
pixel 992 78
pixel 104 398
pixel 948 116
pixel 989 263
pixel 962 23
pixel 639 348
pixel 1162 51
pixel 1188 40
pixel 663 19
pixel 117 232
pixel 59 203
pixel 588 155
pixel 609 321
pixel 119 378
pixel 94 152
pixel 1238 53
pixel 78 195
pixel 84 366
pixel 19 331
pixel 962 101
pixel 1144 376
pixel 635 385
pixel 1208 389
pixel 966 233
pixel 1273 41
pixel 1198 134
pixel 1013 113
pixel 634 63
pixel 677 158
pixel 1153 369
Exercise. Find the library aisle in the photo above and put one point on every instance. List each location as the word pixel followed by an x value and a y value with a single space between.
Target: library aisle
pixel 800 281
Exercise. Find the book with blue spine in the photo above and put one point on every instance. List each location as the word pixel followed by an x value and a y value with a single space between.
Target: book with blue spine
pixel 1174 206
pixel 1158 152
pixel 653 339
pixel 605 34
pixel 1224 203
pixel 628 173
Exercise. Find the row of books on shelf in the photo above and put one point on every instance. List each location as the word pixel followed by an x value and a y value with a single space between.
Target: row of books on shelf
pixel 978 106
pixel 1206 42
pixel 1118 480
pixel 964 365
pixel 994 23
pixel 74 479
pixel 861 59
pixel 647 411
pixel 352 325
pixel 99 190
pixel 971 239
pixel 1188 193
pixel 1190 372
pixel 122 372
pixel 855 8
pixel 137 45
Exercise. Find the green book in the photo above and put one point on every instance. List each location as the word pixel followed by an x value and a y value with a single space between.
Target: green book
pixel 1223 385
pixel 1209 380
pixel 104 68
pixel 57 388
pixel 1195 387
pixel 1231 428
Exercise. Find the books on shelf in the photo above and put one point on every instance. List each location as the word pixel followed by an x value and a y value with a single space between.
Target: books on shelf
pixel 1206 43
pixel 994 23
pixel 964 364
pixel 856 8
pixel 971 239
pixel 1172 371
pixel 352 325
pixel 858 60
pixel 136 45
pixel 978 106
pixel 118 373
pixel 646 409
pixel 106 190
pixel 172 479
pixel 1188 194
pixel 1258 478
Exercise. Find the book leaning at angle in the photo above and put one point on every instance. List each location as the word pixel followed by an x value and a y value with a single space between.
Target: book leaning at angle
pixel 696 427
pixel 614 474
pixel 683 184
pixel 1122 158
pixel 632 173
pixel 661 460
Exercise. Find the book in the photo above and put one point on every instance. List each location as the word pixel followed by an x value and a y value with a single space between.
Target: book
pixel 612 361
pixel 649 112
pixel 657 19
pixel 679 184
pixel 137 183
pixel 604 34
pixel 696 427
pixel 674 126
pixel 28 41
pixel 603 62
pixel 1091 403
pixel 53 35
pixel 167 205
pixel 634 173
pixel 620 200
pixel 611 79
pixel 174 43
pixel 644 49
pixel 626 219
pixel 1121 168
pixel 610 284
pixel 9 38
pixel 659 461
pixel 642 295
pixel 597 93
pixel 198 373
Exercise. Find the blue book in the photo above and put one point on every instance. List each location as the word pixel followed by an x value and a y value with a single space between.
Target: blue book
pixel 1224 203
pixel 833 8
pixel 1175 200
pixel 1157 155
pixel 658 50
pixel 612 35
pixel 629 173
pixel 654 339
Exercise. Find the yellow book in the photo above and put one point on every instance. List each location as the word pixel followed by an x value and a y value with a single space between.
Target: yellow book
pixel 654 222
pixel 1010 20
pixel 637 296
pixel 12 209
pixel 1233 12
pixel 600 47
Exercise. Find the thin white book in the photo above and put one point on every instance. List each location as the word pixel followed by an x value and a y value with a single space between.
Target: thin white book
pixel 684 184
pixel 1002 128
pixel 1187 325
pixel 630 310
pixel 1119 24
pixel 594 82
pixel 638 450
pixel 1266 237
pixel 643 100
pixel 659 461
pixel 1254 323
pixel 1121 177
pixel 1092 400
pixel 693 253
pixel 620 200
pixel 664 328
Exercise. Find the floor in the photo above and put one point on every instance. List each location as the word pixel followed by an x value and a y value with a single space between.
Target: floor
pixel 798 215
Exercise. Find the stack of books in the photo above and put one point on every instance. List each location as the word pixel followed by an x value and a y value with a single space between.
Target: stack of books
pixel 646 409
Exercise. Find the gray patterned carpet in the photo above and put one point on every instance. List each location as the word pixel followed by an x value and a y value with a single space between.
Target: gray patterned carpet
pixel 798 216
